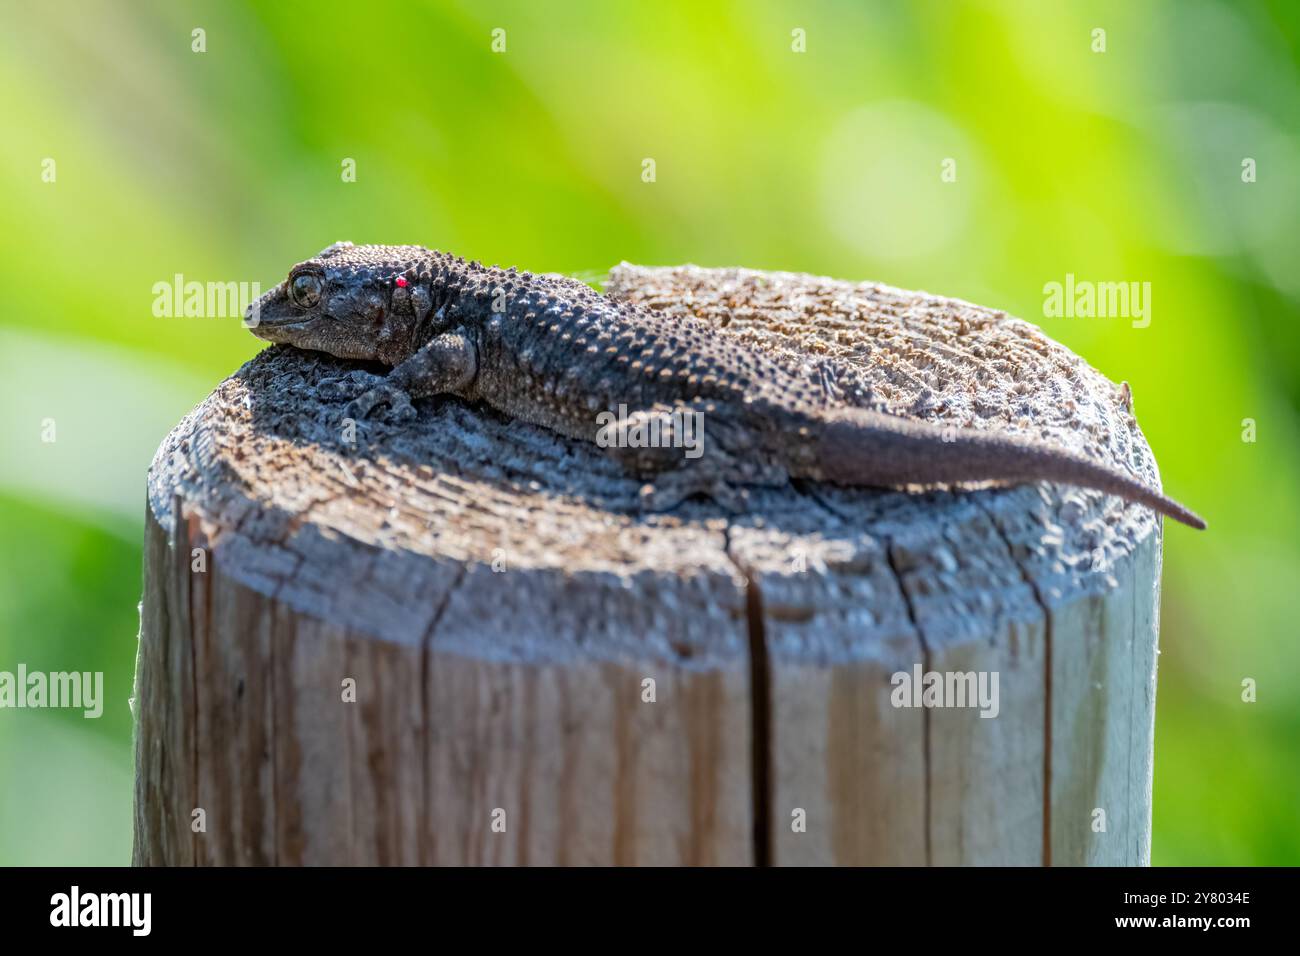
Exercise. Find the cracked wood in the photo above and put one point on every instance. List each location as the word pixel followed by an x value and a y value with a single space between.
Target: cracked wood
pixel 499 600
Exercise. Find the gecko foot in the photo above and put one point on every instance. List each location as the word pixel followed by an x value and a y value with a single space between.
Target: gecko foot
pixel 397 404
pixel 829 382
pixel 672 488
pixel 348 386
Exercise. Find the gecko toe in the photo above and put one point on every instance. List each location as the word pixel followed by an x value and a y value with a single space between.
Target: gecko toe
pixel 395 405
pixel 400 411
pixel 654 499
pixel 670 489
pixel 348 386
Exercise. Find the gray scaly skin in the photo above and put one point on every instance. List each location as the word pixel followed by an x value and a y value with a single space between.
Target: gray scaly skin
pixel 554 352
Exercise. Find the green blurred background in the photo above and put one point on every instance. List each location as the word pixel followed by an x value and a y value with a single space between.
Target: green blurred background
pixel 226 166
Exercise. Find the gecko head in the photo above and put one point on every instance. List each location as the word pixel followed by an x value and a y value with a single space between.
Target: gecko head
pixel 341 301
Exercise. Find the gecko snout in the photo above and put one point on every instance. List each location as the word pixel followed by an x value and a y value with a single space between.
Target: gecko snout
pixel 272 315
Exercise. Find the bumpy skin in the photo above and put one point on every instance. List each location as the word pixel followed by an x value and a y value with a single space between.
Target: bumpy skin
pixel 552 351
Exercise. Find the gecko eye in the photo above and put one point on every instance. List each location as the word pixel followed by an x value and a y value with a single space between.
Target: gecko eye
pixel 305 291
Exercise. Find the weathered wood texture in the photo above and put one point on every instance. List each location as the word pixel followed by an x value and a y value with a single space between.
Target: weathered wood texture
pixel 500 605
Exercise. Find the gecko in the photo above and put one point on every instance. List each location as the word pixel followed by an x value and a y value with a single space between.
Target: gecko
pixel 554 352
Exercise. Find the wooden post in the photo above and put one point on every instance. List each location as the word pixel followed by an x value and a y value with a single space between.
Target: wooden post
pixel 455 641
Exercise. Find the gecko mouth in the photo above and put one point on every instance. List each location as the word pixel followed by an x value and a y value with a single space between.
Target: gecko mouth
pixel 273 312
pixel 276 331
pixel 272 329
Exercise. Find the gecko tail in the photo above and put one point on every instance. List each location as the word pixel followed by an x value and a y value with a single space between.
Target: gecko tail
pixel 860 447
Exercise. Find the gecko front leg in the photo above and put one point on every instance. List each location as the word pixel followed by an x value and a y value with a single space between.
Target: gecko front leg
pixel 446 364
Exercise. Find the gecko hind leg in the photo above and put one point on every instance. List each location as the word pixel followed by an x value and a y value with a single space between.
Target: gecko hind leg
pixel 679 463
pixel 724 480
pixel 670 488
pixel 828 380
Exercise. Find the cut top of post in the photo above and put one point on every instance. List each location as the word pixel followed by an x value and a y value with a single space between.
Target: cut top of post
pixel 373 526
